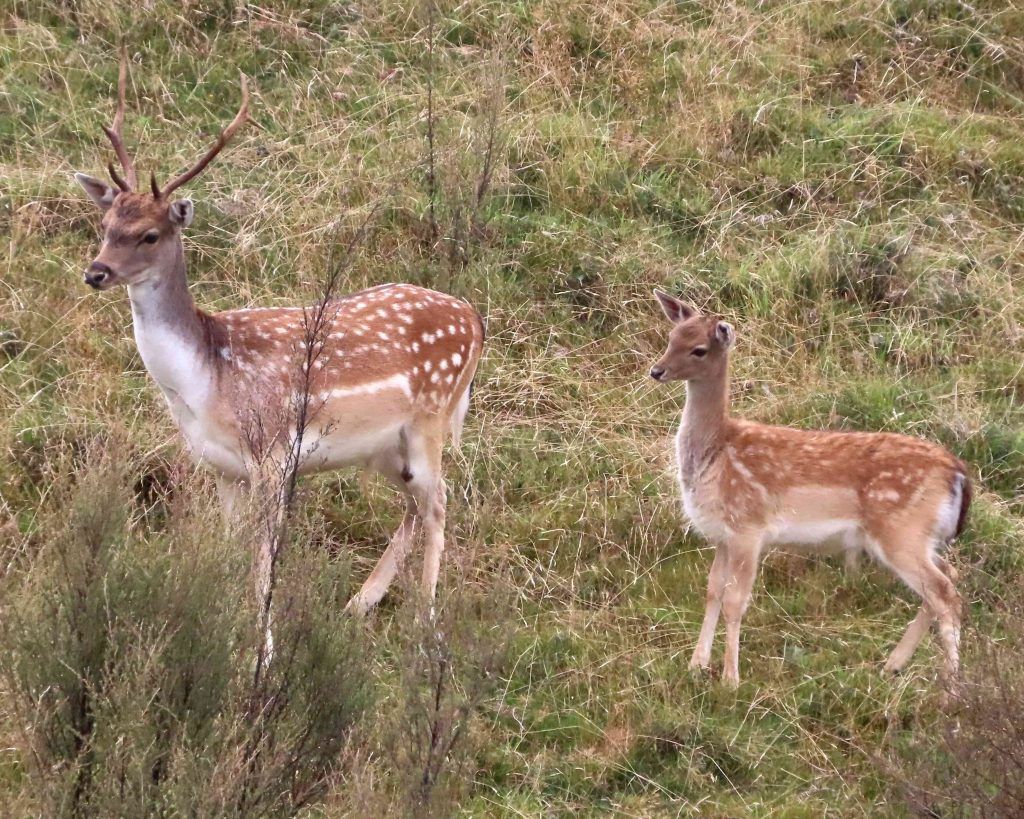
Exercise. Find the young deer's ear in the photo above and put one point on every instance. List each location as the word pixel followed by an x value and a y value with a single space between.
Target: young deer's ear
pixel 725 334
pixel 182 212
pixel 674 309
pixel 99 191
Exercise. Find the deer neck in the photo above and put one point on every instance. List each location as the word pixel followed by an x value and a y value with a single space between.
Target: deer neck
pixel 705 417
pixel 169 334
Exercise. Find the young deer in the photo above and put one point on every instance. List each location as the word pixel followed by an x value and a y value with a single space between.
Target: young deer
pixel 750 486
pixel 385 383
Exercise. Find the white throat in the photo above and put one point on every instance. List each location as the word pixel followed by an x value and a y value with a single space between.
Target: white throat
pixel 700 425
pixel 168 345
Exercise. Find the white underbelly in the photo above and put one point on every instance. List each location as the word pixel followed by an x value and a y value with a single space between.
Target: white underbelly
pixel 827 535
pixel 341 448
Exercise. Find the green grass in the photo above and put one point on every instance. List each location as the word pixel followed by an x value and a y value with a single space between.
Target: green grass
pixel 845 182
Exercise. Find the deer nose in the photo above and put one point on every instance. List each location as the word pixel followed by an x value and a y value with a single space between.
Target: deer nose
pixel 96 274
pixel 657 373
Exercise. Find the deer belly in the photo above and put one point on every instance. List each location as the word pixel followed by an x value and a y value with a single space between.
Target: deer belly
pixel 353 424
pixel 819 518
pixel 346 447
pixel 830 536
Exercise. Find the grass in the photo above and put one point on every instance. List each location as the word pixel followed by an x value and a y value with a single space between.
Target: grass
pixel 845 182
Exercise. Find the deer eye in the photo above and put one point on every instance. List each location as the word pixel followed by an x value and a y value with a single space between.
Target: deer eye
pixel 700 352
pixel 151 237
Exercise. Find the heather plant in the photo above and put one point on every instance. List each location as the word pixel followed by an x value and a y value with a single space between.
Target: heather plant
pixel 129 655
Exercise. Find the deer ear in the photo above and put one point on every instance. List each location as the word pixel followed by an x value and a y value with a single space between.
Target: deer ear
pixel 99 191
pixel 182 212
pixel 674 309
pixel 725 334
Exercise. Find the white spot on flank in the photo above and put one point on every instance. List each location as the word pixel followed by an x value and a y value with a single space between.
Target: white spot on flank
pixel 443 364
pixel 456 359
pixel 225 353
pixel 426 366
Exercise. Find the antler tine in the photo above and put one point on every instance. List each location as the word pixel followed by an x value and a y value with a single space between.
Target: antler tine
pixel 121 184
pixel 114 131
pixel 222 140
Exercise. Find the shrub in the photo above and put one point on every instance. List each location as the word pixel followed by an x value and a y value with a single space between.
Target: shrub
pixel 129 658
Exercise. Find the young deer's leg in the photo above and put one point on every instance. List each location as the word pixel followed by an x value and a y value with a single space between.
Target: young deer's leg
pixel 424 443
pixel 712 607
pixel 943 599
pixel 741 569
pixel 376 585
pixel 851 562
pixel 930 577
pixel 425 449
pixel 909 641
pixel 918 626
pixel 433 529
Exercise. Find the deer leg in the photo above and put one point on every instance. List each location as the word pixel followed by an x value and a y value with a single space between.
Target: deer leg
pixel 942 598
pixel 424 445
pixel 433 530
pixel 741 570
pixel 908 643
pixel 395 469
pixel 712 608
pixel 851 562
pixel 930 576
pixel 269 487
pixel 232 495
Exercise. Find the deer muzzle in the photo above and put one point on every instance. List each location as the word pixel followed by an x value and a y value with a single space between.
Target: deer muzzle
pixel 97 274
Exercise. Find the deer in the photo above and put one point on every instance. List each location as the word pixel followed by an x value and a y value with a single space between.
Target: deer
pixel 747 487
pixel 385 381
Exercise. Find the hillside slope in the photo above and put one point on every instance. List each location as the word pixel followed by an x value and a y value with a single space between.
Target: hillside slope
pixel 843 181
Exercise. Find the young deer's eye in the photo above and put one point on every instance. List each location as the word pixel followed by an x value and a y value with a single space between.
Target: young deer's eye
pixel 151 237
pixel 700 352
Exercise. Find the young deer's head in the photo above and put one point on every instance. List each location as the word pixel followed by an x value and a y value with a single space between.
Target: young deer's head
pixel 698 345
pixel 142 229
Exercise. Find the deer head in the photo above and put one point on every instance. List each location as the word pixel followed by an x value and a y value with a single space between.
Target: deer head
pixel 698 344
pixel 142 229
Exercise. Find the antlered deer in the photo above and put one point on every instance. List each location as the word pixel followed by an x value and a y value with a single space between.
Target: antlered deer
pixel 750 486
pixel 388 381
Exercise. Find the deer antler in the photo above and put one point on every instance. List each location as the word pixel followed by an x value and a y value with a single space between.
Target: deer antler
pixel 114 133
pixel 222 140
